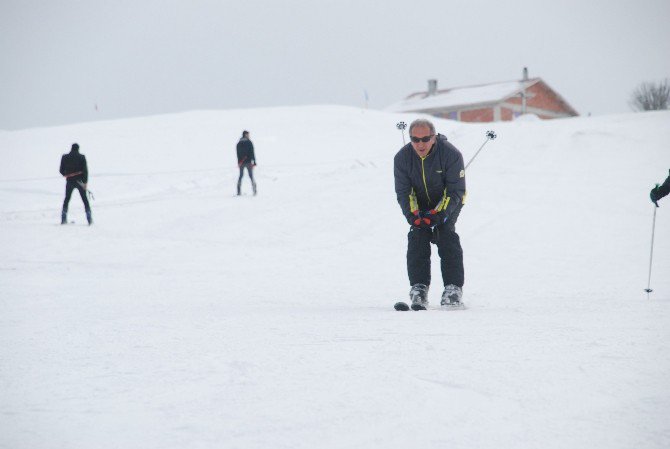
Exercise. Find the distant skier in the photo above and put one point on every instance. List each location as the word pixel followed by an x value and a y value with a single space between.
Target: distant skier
pixel 430 187
pixel 659 192
pixel 73 167
pixel 245 159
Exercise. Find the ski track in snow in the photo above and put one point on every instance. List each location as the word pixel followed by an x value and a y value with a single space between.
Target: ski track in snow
pixel 188 317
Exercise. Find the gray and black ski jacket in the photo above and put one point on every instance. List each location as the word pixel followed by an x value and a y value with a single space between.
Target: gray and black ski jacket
pixel 436 181
pixel 245 152
pixel 73 166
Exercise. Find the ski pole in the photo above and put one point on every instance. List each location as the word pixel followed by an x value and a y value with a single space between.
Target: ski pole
pixel 401 126
pixel 490 135
pixel 90 194
pixel 651 254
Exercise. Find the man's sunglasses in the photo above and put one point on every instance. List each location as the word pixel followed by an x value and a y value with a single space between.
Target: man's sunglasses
pixel 421 139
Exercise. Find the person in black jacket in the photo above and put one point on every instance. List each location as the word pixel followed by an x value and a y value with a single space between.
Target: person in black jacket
pixel 430 188
pixel 246 159
pixel 659 192
pixel 73 167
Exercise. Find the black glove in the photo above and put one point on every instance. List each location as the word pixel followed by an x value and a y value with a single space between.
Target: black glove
pixel 418 219
pixel 653 195
pixel 435 218
pixel 427 219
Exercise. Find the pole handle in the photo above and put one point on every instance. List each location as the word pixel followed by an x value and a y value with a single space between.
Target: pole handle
pixel 490 135
pixel 401 126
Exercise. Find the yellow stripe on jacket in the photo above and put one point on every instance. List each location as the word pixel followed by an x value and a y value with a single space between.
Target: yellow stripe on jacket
pixel 444 202
pixel 413 203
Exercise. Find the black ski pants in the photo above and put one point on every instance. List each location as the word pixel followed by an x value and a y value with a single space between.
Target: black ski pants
pixel 449 248
pixel 69 187
pixel 250 170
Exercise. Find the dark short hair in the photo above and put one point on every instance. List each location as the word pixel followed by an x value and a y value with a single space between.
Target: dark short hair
pixel 75 146
pixel 245 133
pixel 422 122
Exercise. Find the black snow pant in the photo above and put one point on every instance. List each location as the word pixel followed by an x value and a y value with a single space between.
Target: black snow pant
pixel 448 247
pixel 69 187
pixel 250 170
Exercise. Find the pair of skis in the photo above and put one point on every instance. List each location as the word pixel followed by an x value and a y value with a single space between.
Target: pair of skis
pixel 401 306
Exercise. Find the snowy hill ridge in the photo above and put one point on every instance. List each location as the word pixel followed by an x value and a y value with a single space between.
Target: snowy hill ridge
pixel 188 317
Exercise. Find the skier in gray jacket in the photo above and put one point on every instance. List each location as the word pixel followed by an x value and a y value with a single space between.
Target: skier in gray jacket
pixel 430 188
pixel 75 170
pixel 246 159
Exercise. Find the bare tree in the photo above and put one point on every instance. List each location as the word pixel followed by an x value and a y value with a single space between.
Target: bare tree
pixel 651 96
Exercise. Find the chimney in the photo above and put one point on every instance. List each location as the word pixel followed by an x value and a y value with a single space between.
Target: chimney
pixel 525 74
pixel 432 87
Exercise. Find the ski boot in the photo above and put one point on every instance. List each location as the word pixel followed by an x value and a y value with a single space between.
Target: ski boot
pixel 451 297
pixel 63 217
pixel 89 217
pixel 418 295
pixel 254 187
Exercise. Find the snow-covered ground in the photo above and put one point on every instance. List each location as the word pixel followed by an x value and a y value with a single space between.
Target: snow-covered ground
pixel 187 317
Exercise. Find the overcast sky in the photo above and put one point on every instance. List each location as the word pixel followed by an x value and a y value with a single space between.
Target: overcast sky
pixel 61 58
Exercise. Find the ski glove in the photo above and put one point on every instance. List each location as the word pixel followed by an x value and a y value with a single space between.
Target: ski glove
pixel 427 219
pixel 417 220
pixel 654 195
pixel 435 218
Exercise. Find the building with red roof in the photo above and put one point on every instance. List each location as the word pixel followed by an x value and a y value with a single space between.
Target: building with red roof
pixel 493 102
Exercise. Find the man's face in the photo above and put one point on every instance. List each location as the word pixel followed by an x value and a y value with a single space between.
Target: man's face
pixel 422 132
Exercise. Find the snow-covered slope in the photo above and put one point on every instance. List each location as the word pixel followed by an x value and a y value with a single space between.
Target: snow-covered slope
pixel 188 317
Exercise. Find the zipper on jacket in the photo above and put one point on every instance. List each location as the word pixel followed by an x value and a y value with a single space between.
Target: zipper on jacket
pixel 423 174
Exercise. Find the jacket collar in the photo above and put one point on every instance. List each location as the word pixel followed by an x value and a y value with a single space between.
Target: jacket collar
pixel 430 153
